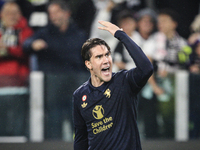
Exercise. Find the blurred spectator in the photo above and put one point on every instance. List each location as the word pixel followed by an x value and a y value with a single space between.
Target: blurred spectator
pixel 25 6
pixel 187 10
pixel 171 55
pixel 148 111
pixel 14 70
pixel 128 23
pixel 13 31
pixel 175 45
pixel 58 49
pixel 57 45
pixel 146 22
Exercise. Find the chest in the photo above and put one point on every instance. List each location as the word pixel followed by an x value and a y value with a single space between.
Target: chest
pixel 102 108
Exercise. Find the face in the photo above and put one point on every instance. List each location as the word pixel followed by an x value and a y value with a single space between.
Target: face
pixel 100 64
pixel 58 16
pixel 128 25
pixel 145 24
pixel 10 14
pixel 166 24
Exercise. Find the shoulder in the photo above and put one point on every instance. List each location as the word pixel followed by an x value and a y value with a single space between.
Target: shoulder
pixel 125 80
pixel 82 89
pixel 120 75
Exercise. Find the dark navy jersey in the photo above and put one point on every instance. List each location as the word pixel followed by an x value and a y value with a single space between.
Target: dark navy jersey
pixel 105 116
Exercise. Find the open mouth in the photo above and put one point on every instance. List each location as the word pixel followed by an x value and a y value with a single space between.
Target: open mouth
pixel 105 70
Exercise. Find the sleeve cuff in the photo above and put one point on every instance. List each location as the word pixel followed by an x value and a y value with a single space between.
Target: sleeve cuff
pixel 118 32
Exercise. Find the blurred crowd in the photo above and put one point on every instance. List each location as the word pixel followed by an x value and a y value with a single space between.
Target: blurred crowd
pixel 47 36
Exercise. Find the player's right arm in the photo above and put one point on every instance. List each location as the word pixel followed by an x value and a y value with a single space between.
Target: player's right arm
pixel 81 135
pixel 81 139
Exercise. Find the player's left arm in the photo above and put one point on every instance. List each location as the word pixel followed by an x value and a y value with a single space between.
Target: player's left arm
pixel 144 68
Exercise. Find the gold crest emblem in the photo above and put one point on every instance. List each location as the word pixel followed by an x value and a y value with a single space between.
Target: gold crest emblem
pixel 107 93
pixel 84 105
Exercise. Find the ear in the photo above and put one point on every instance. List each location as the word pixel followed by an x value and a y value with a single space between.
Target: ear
pixel 88 64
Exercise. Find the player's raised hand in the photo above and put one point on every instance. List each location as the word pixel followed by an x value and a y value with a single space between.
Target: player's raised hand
pixel 109 27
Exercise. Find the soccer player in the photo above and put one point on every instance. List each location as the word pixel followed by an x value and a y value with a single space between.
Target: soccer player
pixel 104 110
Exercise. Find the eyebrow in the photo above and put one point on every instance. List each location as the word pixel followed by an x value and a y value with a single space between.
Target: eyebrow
pixel 100 55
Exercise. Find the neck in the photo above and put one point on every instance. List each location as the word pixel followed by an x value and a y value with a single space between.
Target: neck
pixel 96 82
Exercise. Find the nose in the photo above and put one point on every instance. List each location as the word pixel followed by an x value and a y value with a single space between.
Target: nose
pixel 105 59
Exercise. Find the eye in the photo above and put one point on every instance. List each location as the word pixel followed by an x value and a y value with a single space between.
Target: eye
pixel 108 54
pixel 98 57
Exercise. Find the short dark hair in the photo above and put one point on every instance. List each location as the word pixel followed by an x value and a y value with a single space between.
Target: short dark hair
pixel 170 12
pixel 89 44
pixel 63 4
